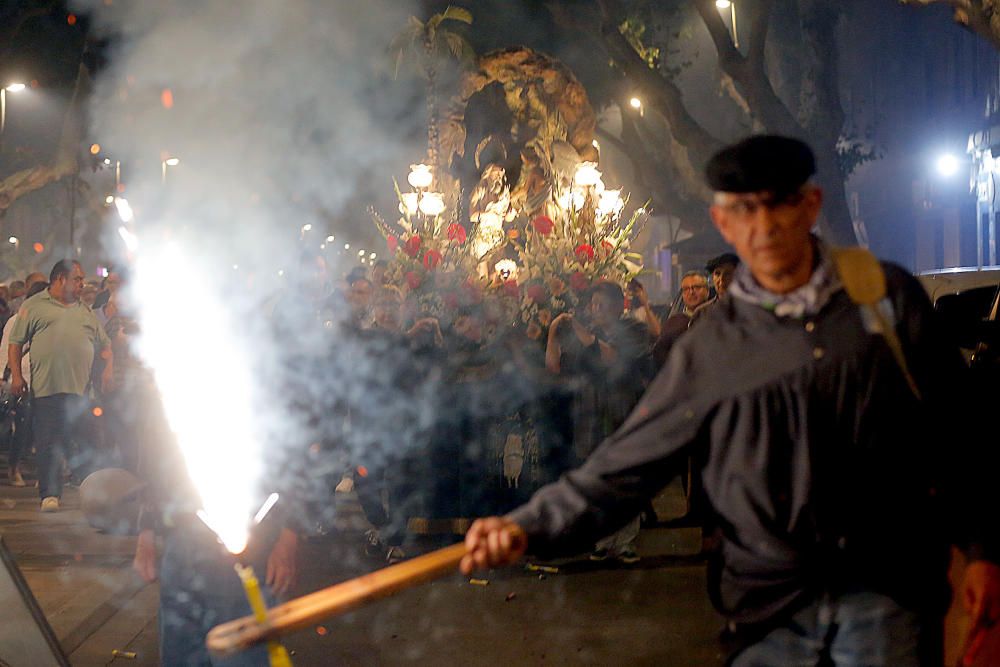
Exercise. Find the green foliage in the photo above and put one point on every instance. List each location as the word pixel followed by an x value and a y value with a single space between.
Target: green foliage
pixel 634 29
pixel 425 45
pixel 852 153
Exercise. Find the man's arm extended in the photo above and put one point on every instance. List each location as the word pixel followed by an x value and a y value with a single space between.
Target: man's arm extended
pixel 14 353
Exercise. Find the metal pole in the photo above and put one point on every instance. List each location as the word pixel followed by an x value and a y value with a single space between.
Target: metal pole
pixel 732 14
pixel 72 213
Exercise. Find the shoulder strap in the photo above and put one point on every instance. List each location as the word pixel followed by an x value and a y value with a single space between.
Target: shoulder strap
pixel 863 279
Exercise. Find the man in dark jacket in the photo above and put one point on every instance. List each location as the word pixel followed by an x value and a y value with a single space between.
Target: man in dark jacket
pixel 835 490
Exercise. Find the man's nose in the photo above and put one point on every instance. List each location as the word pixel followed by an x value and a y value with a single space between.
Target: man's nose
pixel 765 220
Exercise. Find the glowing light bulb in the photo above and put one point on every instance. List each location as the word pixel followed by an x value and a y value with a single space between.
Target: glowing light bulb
pixel 432 203
pixel 420 176
pixel 409 203
pixel 587 174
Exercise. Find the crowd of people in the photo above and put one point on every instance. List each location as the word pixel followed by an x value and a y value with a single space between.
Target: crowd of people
pixel 62 389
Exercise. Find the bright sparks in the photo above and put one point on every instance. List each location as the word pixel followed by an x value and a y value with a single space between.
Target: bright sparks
pixel 212 423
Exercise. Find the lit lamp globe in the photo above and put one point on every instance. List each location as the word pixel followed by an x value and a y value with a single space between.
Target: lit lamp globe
pixel 611 203
pixel 420 176
pixel 587 175
pixel 432 203
pixel 409 202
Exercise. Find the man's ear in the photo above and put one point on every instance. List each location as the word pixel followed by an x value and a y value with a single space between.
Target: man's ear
pixel 814 200
pixel 721 221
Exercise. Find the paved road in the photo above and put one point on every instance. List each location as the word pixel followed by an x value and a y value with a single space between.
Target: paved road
pixel 652 613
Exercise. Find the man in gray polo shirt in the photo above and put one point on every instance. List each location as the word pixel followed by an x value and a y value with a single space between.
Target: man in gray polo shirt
pixel 64 335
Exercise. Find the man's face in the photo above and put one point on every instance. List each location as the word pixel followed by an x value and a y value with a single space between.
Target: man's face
pixel 113 282
pixel 385 312
pixel 722 275
pixel 469 328
pixel 89 295
pixel 694 291
pixel 359 294
pixel 603 313
pixel 772 237
pixel 74 287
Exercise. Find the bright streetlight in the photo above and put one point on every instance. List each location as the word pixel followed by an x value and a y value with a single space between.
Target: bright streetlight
pixel 169 162
pixel 947 165
pixel 723 5
pixel 14 88
pixel 635 102
pixel 13 240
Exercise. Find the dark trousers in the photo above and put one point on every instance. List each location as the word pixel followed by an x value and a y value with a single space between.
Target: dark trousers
pixel 397 479
pixel 198 590
pixel 61 430
pixel 20 440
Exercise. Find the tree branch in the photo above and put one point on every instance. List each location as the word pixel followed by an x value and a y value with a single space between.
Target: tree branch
pixel 819 25
pixel 717 30
pixel 751 81
pixel 760 22
pixel 658 93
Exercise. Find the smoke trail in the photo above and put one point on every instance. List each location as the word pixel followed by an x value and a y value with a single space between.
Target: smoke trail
pixel 239 124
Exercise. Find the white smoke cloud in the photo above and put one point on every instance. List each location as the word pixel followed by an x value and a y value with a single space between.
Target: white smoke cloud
pixel 278 114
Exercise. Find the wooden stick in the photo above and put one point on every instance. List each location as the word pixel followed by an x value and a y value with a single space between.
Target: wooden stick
pixel 301 612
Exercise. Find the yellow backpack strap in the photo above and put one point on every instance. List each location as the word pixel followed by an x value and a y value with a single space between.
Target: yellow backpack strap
pixel 863 279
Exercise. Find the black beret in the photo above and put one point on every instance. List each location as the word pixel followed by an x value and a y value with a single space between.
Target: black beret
pixel 724 258
pixel 765 162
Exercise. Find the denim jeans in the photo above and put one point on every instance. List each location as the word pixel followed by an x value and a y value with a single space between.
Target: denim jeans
pixel 854 629
pixel 198 590
pixel 60 430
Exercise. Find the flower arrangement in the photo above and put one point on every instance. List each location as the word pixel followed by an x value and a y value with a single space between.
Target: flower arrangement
pixel 580 239
pixel 577 239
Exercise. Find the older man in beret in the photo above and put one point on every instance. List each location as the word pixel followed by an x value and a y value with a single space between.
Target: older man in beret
pixel 836 492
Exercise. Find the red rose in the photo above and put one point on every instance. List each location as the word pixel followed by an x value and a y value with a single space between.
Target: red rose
pixel 413 279
pixel 431 259
pixel 412 246
pixel 456 233
pixel 578 281
pixel 510 288
pixel 543 225
pixel 536 293
pixel 584 253
pixel 392 243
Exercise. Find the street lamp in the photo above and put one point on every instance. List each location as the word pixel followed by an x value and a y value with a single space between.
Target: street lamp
pixel 13 240
pixel 169 162
pixel 947 165
pixel 731 6
pixel 13 88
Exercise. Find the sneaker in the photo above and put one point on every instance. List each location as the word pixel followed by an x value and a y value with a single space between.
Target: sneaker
pixel 16 479
pixel 599 555
pixel 394 555
pixel 627 556
pixel 50 504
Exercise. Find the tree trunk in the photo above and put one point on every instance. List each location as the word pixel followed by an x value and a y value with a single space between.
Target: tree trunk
pixel 433 139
